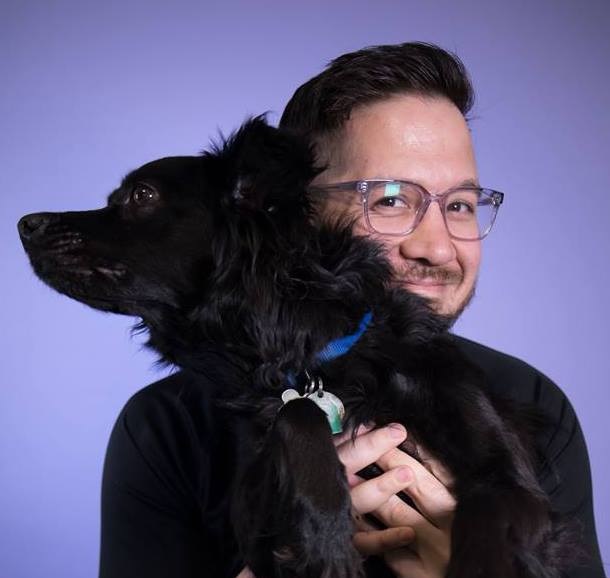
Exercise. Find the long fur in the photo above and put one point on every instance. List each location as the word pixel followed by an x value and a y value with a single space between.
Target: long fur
pixel 227 248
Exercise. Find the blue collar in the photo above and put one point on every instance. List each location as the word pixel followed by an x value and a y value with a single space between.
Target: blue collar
pixel 340 346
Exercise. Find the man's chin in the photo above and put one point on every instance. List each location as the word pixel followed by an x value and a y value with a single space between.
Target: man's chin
pixel 450 311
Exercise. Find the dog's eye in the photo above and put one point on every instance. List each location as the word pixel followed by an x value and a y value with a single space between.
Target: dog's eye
pixel 143 194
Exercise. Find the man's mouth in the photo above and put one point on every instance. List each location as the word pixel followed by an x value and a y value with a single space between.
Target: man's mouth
pixel 433 290
pixel 427 282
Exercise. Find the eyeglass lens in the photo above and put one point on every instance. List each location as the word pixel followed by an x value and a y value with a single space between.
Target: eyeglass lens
pixel 394 208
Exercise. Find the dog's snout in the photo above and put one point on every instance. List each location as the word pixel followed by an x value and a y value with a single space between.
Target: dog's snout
pixel 34 225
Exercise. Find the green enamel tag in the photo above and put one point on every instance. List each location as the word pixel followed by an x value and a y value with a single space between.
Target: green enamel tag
pixel 332 406
pixel 329 403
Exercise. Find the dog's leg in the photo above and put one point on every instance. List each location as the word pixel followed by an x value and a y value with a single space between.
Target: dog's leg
pixel 504 531
pixel 292 509
pixel 503 525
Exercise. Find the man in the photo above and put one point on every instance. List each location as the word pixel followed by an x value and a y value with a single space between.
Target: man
pixel 399 113
pixel 395 113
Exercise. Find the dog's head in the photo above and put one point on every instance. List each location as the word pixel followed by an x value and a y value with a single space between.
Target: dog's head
pixel 171 224
pixel 223 247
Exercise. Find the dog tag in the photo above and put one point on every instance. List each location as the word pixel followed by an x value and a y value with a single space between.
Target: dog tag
pixel 289 395
pixel 328 402
pixel 332 406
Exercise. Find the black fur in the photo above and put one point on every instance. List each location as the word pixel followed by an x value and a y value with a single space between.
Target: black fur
pixel 225 248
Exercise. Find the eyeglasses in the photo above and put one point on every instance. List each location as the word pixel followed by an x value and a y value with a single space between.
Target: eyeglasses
pixel 393 207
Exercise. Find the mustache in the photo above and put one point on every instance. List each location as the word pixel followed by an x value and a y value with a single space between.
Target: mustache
pixel 421 272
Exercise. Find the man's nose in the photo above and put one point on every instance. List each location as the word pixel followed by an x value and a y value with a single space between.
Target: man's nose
pixel 430 242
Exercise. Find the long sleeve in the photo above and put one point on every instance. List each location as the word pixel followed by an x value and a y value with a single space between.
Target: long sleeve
pixel 164 501
pixel 564 473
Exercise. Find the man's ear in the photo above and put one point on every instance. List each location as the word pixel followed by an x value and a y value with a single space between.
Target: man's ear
pixel 270 167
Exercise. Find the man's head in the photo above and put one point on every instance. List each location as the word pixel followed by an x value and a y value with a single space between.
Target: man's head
pixel 398 112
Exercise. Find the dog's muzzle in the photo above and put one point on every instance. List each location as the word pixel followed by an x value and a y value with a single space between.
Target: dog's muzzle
pixel 33 227
pixel 58 252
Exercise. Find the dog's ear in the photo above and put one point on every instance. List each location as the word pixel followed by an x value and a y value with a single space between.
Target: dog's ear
pixel 271 168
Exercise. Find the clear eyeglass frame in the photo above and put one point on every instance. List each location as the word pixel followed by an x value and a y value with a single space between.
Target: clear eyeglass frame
pixel 487 197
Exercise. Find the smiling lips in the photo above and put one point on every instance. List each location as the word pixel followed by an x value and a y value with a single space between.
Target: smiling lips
pixel 430 289
pixel 428 282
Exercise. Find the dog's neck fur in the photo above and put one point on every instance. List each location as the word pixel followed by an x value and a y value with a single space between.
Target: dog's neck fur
pixel 270 301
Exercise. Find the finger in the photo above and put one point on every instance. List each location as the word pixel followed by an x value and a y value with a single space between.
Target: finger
pixel 435 467
pixel 430 541
pixel 371 494
pixel 432 498
pixel 347 435
pixel 246 573
pixel 395 512
pixel 366 448
pixel 380 541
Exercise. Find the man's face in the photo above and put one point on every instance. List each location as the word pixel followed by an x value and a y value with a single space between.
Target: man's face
pixel 423 140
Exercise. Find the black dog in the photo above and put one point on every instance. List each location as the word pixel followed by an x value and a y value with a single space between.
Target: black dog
pixel 227 248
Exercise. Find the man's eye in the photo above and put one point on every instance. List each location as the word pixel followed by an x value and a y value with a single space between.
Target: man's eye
pixel 461 207
pixel 392 198
pixel 386 203
pixel 143 194
pixel 391 202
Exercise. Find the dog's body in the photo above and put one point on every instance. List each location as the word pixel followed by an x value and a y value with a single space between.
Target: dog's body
pixel 223 249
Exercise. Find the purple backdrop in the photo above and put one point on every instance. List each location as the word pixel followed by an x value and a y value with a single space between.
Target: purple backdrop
pixel 91 90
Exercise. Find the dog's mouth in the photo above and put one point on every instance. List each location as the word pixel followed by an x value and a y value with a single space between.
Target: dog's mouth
pixel 65 255
pixel 78 267
pixel 86 267
pixel 62 261
pixel 49 264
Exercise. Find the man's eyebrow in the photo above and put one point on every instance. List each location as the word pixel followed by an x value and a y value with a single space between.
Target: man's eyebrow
pixel 469 183
pixel 465 184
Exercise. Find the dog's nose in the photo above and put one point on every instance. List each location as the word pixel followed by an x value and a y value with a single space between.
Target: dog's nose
pixel 33 226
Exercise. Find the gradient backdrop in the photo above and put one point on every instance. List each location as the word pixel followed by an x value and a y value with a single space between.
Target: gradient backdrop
pixel 91 90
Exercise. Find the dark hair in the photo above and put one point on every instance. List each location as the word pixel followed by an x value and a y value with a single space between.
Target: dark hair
pixel 323 104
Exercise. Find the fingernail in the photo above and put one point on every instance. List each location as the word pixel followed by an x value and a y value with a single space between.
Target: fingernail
pixel 403 474
pixel 397 431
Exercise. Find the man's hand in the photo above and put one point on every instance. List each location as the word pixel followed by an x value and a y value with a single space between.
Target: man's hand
pixel 414 544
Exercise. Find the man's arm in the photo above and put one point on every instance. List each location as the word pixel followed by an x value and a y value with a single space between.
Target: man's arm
pixel 162 517
pixel 565 475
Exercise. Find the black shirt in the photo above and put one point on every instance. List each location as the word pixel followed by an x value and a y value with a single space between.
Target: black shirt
pixel 169 467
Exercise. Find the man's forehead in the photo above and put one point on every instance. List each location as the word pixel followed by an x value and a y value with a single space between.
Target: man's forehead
pixel 410 120
pixel 416 138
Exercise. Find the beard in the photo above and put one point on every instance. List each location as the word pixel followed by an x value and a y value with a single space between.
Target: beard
pixel 454 315
pixel 418 272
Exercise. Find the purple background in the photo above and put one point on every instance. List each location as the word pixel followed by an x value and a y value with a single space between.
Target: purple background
pixel 90 91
